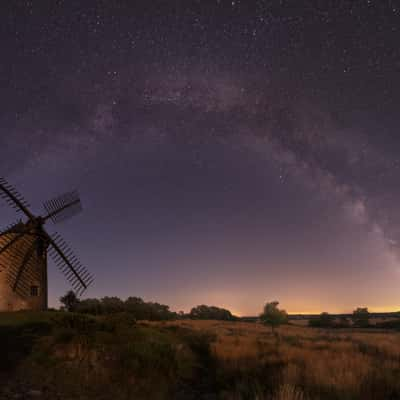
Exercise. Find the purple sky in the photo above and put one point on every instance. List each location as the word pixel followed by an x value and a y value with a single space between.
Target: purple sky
pixel 226 153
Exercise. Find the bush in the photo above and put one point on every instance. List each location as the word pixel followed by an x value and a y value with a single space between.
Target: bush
pixel 361 317
pixel 211 312
pixel 393 324
pixel 76 322
pixel 324 320
pixel 122 320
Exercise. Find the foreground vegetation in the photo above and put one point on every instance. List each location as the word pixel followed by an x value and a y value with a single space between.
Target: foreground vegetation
pixel 60 355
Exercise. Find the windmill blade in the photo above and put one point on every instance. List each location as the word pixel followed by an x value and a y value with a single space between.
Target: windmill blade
pixel 12 234
pixel 13 198
pixel 6 244
pixel 68 263
pixel 12 228
pixel 63 207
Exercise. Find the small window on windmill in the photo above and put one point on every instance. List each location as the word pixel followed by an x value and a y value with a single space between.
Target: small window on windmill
pixel 34 291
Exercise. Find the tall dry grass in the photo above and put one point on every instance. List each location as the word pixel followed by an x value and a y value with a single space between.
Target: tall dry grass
pixel 313 363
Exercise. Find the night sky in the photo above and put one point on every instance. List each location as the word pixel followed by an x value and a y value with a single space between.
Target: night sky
pixel 226 152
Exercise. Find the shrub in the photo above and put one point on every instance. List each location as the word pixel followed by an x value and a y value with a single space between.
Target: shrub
pixel 211 312
pixel 361 317
pixel 324 320
pixel 117 321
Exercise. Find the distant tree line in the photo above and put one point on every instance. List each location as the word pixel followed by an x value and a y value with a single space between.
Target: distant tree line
pixel 140 309
pixel 359 319
pixel 136 306
pixel 153 311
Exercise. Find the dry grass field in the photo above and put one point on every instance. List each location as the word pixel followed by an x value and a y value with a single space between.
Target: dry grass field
pixel 72 356
pixel 314 363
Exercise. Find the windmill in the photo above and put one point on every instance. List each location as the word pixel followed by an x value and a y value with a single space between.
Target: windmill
pixel 24 247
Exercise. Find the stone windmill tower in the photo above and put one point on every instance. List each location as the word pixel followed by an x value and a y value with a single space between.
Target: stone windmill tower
pixel 24 247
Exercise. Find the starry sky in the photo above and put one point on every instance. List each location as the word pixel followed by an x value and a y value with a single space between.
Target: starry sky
pixel 226 152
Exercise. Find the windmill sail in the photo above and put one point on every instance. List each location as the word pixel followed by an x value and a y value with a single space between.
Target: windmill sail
pixel 63 207
pixel 69 265
pixel 7 240
pixel 14 198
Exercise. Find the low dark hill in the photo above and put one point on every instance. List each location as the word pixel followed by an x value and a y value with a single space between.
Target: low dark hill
pixel 57 355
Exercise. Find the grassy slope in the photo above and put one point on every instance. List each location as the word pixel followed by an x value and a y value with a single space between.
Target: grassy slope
pixel 101 358
pixel 70 356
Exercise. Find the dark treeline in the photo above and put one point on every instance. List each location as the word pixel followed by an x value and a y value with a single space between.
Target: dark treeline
pixel 360 318
pixel 271 315
pixel 140 309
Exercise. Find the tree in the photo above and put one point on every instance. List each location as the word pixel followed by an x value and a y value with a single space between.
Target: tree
pixel 137 307
pixel 324 320
pixel 273 316
pixel 361 317
pixel 112 305
pixel 70 301
pixel 90 306
pixel 148 310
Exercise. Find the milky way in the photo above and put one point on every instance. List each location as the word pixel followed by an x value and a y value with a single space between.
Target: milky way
pixel 227 152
